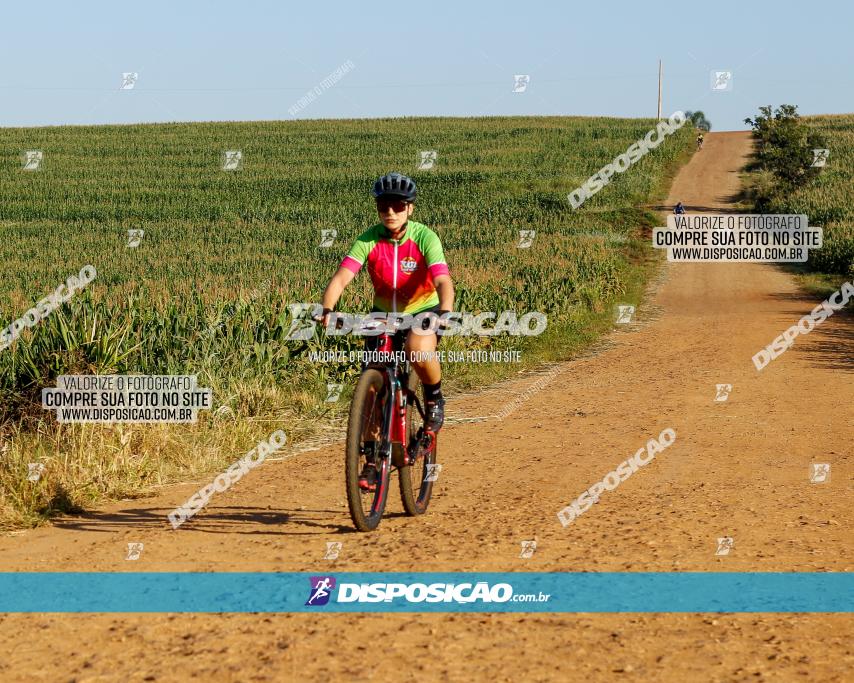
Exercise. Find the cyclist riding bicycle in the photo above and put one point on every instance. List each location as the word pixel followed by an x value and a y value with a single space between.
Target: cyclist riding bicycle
pixel 409 274
pixel 699 141
pixel 679 209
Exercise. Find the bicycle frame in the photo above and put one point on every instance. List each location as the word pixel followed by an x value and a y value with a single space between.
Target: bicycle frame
pixel 398 397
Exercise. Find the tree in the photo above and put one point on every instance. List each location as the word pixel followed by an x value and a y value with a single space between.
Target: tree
pixel 785 144
pixel 699 120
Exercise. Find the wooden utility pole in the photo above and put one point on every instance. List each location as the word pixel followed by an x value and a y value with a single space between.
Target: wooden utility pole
pixel 659 90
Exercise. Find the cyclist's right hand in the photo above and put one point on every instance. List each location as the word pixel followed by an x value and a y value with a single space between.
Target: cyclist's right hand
pixel 322 318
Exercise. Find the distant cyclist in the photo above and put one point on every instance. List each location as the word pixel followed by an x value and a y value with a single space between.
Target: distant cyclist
pixel 679 209
pixel 700 140
pixel 409 274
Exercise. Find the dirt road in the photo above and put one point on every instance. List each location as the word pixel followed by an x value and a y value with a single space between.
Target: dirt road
pixel 739 468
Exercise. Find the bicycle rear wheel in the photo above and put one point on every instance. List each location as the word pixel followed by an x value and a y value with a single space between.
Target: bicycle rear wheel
pixel 365 424
pixel 415 488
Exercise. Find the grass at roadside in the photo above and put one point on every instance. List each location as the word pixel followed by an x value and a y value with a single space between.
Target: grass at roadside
pixel 820 285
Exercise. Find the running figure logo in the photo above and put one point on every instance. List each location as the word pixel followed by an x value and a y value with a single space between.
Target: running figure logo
pixel 819 157
pixel 722 81
pixel 134 551
pixel 135 237
pixel 526 238
pixel 624 314
pixel 520 82
pixel 128 80
pixel 433 470
pixel 820 472
pixel 302 326
pixel 722 392
pixel 333 393
pixel 34 471
pixel 333 549
pixel 327 237
pixel 528 548
pixel 33 159
pixel 427 160
pixel 232 159
pixel 321 590
pixel 725 544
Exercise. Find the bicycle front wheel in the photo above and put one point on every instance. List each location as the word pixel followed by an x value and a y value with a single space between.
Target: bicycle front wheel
pixel 365 426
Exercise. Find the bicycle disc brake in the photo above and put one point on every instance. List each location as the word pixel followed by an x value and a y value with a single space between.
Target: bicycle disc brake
pixel 422 443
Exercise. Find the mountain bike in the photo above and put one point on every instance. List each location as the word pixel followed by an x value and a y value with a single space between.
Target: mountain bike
pixel 382 419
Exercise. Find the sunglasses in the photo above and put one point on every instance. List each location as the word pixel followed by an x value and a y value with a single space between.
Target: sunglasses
pixel 396 205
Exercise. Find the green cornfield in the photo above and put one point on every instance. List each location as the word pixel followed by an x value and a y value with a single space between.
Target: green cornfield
pixel 225 251
pixel 827 200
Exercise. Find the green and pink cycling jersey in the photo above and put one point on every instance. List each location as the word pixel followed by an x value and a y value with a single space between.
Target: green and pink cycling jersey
pixel 401 271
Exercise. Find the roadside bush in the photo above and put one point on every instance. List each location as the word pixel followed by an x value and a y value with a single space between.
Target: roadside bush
pixel 785 180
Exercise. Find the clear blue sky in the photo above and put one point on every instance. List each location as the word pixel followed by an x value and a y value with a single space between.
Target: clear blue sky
pixel 62 62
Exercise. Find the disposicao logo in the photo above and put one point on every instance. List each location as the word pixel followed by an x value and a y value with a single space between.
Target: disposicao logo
pixel 321 590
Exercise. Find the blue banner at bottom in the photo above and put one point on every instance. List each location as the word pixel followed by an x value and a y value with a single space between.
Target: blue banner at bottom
pixel 556 592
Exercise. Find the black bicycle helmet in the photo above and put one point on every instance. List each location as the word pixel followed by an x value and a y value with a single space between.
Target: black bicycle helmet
pixel 395 185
